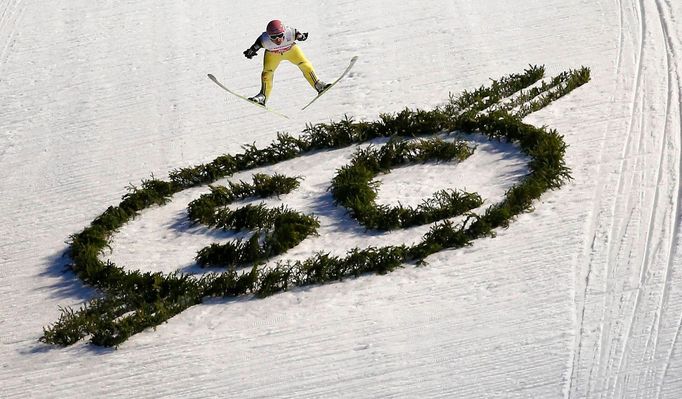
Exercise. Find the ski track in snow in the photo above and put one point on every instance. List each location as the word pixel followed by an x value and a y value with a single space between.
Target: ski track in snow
pixel 581 298
pixel 10 17
pixel 628 324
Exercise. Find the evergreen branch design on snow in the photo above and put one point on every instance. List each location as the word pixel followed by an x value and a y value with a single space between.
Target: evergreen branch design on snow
pixel 353 189
pixel 277 230
pixel 132 301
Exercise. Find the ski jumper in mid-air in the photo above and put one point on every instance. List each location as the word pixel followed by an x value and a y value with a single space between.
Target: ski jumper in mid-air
pixel 279 42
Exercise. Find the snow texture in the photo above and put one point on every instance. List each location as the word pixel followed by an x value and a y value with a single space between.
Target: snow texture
pixel 581 298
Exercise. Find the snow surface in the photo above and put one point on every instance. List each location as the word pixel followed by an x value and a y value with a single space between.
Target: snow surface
pixel 581 298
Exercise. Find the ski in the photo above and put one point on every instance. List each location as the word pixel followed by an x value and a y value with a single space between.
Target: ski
pixel 213 78
pixel 352 62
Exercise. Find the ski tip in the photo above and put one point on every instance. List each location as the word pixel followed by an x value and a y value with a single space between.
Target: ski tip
pixel 211 76
pixel 355 58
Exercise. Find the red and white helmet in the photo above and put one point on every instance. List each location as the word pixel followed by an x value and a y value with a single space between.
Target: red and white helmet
pixel 275 27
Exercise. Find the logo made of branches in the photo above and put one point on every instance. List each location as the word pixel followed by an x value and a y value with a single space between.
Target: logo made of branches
pixel 132 301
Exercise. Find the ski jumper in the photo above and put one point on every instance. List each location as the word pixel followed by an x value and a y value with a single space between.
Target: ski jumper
pixel 287 50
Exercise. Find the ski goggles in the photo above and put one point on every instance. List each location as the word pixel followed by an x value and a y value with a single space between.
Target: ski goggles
pixel 277 36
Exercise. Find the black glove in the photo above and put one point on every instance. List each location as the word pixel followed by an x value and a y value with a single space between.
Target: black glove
pixel 250 52
pixel 301 36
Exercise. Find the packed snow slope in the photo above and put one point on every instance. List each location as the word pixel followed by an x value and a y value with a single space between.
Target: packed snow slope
pixel 581 298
